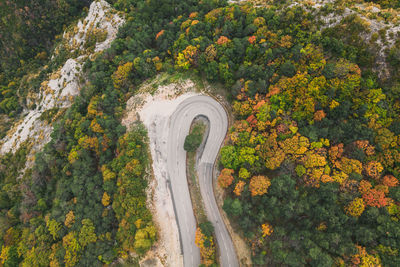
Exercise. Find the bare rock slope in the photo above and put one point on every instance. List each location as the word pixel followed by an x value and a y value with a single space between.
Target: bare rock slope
pixel 83 41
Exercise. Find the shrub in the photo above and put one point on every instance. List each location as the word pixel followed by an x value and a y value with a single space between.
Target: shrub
pixel 192 142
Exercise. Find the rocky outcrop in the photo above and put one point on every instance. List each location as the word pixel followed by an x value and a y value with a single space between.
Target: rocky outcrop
pixel 83 41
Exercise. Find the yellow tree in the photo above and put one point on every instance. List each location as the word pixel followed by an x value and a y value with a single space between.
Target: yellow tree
pixel 72 249
pixel 69 219
pixel 52 257
pixel 385 138
pixel 73 154
pixel 87 233
pixel 5 251
pixel 374 169
pixel 350 165
pixel 313 159
pixel 144 238
pixel 207 252
pixel 93 105
pixel 259 185
pixel 105 199
pixel 187 57
pixel 362 258
pixel 211 53
pixel 356 207
pixel 107 173
pixel 90 143
pixel 134 167
pixel 296 145
pixel 244 173
pixel 339 176
pixel 275 159
pixel 53 227
pixel 120 76
pixel 313 177
pixel 95 126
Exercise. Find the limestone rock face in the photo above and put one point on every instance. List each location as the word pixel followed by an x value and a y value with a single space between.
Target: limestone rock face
pixel 85 40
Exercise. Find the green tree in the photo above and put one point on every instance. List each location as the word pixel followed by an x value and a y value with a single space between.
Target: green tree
pixel 233 207
pixel 229 157
pixel 288 69
pixel 144 239
pixel 192 142
pixel 207 228
pixel 87 234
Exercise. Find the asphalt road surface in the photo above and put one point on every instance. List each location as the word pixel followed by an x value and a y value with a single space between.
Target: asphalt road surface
pixel 179 126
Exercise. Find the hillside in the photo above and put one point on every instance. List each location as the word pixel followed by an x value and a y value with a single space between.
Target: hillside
pixel 309 171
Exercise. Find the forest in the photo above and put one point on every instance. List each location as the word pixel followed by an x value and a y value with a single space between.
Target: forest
pixel 311 167
pixel 28 31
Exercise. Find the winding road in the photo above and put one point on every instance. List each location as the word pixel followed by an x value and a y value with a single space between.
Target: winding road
pixel 179 126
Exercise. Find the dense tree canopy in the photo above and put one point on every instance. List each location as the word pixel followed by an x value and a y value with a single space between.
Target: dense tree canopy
pixel 311 167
